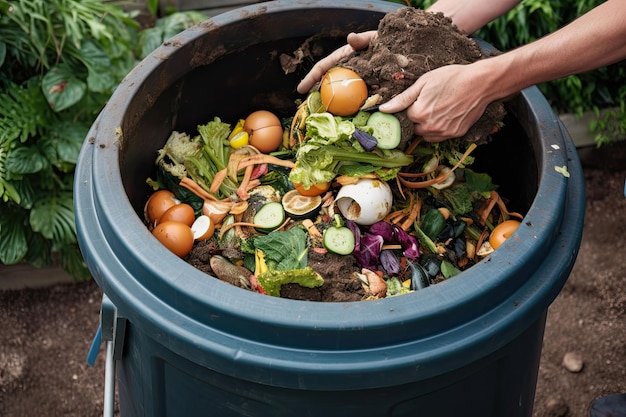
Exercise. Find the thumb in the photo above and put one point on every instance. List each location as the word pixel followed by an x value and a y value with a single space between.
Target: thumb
pixel 361 40
pixel 401 101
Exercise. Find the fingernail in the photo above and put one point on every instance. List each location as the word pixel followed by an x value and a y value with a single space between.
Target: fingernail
pixel 383 107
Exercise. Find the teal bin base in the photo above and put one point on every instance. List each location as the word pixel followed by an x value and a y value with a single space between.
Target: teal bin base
pixel 186 344
pixel 156 382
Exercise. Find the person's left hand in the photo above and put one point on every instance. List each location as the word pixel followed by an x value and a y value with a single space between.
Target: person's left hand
pixel 445 102
pixel 356 41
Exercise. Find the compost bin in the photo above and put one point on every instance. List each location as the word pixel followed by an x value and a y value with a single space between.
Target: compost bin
pixel 186 344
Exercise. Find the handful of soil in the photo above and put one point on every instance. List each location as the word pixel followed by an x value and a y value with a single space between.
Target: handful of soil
pixel 411 42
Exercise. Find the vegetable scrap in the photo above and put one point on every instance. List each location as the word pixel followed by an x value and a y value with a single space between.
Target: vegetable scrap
pixel 562 170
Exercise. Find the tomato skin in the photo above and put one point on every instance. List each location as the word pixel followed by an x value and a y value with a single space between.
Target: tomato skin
pixel 314 190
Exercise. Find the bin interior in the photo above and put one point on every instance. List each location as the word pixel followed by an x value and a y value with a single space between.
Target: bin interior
pixel 240 82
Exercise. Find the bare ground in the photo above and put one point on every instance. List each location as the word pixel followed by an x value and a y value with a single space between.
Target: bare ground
pixel 46 332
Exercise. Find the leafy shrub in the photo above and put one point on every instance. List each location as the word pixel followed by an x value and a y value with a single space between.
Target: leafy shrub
pixel 60 61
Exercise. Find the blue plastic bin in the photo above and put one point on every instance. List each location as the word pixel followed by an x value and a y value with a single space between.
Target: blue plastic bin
pixel 192 345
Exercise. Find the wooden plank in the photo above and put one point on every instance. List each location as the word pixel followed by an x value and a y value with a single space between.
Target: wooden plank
pixel 14 277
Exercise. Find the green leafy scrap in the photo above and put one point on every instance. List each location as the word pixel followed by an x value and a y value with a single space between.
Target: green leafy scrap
pixel 285 254
pixel 284 250
pixel 479 182
pixel 272 280
pixel 459 197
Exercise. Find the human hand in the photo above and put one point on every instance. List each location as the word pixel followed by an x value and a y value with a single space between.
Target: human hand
pixel 445 102
pixel 356 41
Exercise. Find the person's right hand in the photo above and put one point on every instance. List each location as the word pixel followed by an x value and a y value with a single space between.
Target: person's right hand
pixel 445 102
pixel 356 41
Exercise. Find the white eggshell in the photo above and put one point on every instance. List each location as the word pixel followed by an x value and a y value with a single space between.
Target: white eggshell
pixel 366 202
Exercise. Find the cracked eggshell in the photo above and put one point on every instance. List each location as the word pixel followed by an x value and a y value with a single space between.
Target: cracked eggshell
pixel 365 202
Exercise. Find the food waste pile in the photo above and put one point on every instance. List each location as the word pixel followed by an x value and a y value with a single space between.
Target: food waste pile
pixel 337 201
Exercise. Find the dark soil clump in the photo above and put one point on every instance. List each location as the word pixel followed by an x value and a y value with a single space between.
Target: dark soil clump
pixel 339 283
pixel 411 42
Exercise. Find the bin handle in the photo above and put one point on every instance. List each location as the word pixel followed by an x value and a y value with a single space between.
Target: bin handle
pixel 109 382
pixel 112 329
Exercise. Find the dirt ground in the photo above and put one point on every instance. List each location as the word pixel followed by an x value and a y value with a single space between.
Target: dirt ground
pixel 46 333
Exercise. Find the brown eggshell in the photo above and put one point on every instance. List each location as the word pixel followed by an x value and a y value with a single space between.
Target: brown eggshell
pixel 157 204
pixel 265 131
pixel 182 212
pixel 343 91
pixel 203 228
pixel 175 236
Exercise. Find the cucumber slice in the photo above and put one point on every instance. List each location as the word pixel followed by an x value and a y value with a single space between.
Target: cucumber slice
pixel 339 240
pixel 386 129
pixel 269 217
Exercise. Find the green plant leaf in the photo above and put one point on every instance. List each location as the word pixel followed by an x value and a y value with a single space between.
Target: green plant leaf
pixel 3 52
pixel 73 263
pixel 53 217
pixel 26 160
pixel 98 65
pixel 23 111
pixel 61 88
pixel 69 139
pixel 8 192
pixel 13 246
pixel 153 6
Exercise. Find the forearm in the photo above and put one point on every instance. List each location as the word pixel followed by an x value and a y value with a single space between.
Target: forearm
pixel 594 40
pixel 471 15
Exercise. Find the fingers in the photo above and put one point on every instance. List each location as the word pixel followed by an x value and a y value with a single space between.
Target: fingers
pixel 438 129
pixel 356 41
pixel 403 100
pixel 320 68
pixel 316 73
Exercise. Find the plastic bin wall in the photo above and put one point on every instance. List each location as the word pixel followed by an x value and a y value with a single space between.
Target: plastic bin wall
pixel 195 346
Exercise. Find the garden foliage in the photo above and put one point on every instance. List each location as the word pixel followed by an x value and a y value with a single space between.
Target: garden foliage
pixel 60 61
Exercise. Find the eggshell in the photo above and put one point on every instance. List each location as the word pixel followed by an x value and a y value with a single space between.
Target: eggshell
pixel 175 236
pixel 342 91
pixel 265 131
pixel 203 228
pixel 182 212
pixel 365 202
pixel 158 203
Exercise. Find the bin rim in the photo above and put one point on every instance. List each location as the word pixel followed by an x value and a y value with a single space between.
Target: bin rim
pixel 161 294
